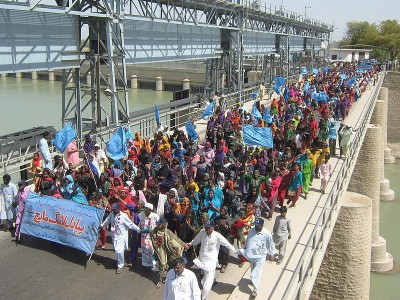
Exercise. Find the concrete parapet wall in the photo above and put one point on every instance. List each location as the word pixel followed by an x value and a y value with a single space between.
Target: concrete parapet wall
pixel 345 270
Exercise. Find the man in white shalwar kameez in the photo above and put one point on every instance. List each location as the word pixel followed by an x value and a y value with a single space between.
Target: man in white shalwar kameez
pixel 259 246
pixel 8 193
pixel 45 151
pixel 207 261
pixel 120 223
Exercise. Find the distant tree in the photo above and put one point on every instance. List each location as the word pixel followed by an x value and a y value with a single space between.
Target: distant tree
pixel 384 38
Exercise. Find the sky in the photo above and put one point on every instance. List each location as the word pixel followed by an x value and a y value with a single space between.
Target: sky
pixel 339 12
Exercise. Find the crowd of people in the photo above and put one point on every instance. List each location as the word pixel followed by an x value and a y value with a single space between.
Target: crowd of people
pixel 173 196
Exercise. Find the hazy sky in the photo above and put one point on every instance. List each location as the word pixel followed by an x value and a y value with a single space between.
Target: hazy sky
pixel 339 12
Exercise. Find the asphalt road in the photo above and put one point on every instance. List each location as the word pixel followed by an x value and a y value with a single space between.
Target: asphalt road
pixel 38 269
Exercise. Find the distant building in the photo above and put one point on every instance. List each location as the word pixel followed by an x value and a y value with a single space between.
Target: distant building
pixel 348 55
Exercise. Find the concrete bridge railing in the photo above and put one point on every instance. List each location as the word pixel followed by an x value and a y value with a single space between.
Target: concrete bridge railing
pixel 306 271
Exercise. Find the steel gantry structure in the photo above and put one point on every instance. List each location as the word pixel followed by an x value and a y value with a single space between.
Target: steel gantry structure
pixel 107 35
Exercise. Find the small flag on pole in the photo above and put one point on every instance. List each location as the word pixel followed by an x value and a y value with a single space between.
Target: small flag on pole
pixel 64 137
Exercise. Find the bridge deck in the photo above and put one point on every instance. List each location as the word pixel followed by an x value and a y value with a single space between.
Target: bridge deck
pixel 235 283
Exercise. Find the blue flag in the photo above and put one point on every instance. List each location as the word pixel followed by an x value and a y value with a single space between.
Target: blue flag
pixel 208 111
pixel 116 146
pixel 191 131
pixel 62 221
pixel 360 70
pixel 279 83
pixel 315 71
pixel 303 71
pixel 325 70
pixel 267 116
pixel 351 81
pixel 321 96
pixel 306 86
pixel 255 112
pixel 257 136
pixel 157 114
pixel 286 94
pixel 64 137
pixel 128 134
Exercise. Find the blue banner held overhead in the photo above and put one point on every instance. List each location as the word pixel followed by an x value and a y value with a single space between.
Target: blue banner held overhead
pixel 64 137
pixel 351 81
pixel 157 114
pixel 254 95
pixel 62 221
pixel 208 111
pixel 325 70
pixel 315 71
pixel 116 146
pixel 304 71
pixel 257 136
pixel 306 86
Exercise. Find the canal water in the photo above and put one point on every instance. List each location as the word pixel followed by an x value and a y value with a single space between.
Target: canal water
pixel 26 104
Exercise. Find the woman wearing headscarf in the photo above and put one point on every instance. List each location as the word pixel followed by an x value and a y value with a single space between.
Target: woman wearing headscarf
pixel 208 152
pixel 194 198
pixel 170 207
pixel 273 190
pixel 147 222
pixel 72 191
pixel 36 168
pixel 211 204
pixel 295 185
pixel 240 228
pixel 138 141
pixel 73 154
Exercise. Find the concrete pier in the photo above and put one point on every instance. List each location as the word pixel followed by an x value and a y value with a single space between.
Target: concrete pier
pixel 186 84
pixel 159 84
pixel 134 82
pixel 384 96
pixel 89 78
pixel 51 75
pixel 34 75
pixel 345 270
pixel 366 182
pixel 18 75
pixel 378 117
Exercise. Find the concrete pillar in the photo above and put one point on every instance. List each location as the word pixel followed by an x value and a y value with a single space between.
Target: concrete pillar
pixel 18 75
pixel 384 95
pixel 34 75
pixel 365 181
pixel 51 75
pixel 186 84
pixel 134 82
pixel 345 270
pixel 378 117
pixel 159 84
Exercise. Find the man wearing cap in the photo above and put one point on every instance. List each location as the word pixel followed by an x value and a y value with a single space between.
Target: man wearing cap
pixel 259 246
pixel 167 246
pixel 45 151
pixel 210 242
pixel 181 283
pixel 120 223
pixel 147 222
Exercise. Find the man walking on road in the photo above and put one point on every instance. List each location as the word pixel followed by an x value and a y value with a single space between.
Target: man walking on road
pixel 120 223
pixel 208 258
pixel 259 246
pixel 181 283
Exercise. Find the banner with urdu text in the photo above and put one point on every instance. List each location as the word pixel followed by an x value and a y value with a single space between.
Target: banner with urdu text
pixel 62 221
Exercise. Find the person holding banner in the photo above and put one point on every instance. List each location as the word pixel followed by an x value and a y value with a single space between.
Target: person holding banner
pixel 120 223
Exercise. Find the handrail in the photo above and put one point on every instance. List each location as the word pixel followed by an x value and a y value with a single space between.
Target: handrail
pixel 306 262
